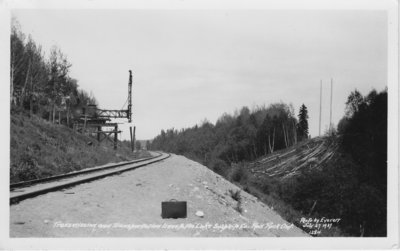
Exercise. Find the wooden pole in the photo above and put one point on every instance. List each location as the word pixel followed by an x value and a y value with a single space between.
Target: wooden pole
pixel 130 129
pixel 134 138
pixel 115 137
pixel 320 106
pixel 99 133
pixel 330 113
pixel 130 97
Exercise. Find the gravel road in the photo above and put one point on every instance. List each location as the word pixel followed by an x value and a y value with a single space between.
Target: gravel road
pixel 129 205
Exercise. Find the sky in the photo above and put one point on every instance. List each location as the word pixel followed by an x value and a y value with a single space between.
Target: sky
pixel 191 65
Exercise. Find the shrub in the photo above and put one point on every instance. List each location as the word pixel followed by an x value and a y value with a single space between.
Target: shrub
pixel 238 198
pixel 25 169
pixel 219 166
pixel 238 173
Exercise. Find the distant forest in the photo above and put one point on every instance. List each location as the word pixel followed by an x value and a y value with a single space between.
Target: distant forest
pixel 243 136
pixel 41 84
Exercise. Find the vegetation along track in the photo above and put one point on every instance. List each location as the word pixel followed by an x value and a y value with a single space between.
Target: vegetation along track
pixel 28 189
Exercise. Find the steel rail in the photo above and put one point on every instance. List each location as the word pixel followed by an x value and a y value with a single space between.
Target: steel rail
pixel 19 197
pixel 71 174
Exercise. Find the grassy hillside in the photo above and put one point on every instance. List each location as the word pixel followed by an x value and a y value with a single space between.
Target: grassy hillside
pixel 39 149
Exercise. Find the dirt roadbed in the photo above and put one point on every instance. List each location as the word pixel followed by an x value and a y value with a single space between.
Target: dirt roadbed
pixel 129 205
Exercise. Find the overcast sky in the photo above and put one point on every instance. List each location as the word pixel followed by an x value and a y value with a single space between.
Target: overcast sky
pixel 189 65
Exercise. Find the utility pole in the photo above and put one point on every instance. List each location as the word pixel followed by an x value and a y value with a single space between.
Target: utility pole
pixel 320 106
pixel 134 138
pixel 115 136
pixel 130 97
pixel 330 113
pixel 132 147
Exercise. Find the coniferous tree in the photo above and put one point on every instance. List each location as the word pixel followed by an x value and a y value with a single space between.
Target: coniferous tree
pixel 302 126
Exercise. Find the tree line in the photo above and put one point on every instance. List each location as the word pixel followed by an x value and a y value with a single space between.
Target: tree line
pixel 42 85
pixel 364 135
pixel 243 136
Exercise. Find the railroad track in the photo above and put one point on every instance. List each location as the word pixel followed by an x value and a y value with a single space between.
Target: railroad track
pixel 32 188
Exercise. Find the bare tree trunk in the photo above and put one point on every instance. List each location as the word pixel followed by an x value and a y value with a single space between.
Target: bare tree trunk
pixel 271 147
pixel 284 135
pixel 362 229
pixel 312 208
pixel 269 143
pixel 273 141
pixel 31 99
pixel 294 133
pixel 254 150
pixel 26 82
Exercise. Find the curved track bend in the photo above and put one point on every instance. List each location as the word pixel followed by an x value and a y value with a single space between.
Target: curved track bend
pixel 24 190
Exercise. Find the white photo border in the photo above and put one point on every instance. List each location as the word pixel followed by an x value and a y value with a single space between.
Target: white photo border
pixel 389 242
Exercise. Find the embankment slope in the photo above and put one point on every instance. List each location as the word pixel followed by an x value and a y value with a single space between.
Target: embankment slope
pixel 39 149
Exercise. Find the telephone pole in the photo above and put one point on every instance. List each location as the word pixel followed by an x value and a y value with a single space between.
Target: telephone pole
pixel 132 145
pixel 320 106
pixel 129 113
pixel 134 138
pixel 330 113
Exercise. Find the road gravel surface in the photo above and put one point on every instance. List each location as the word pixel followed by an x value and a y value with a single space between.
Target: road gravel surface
pixel 129 205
